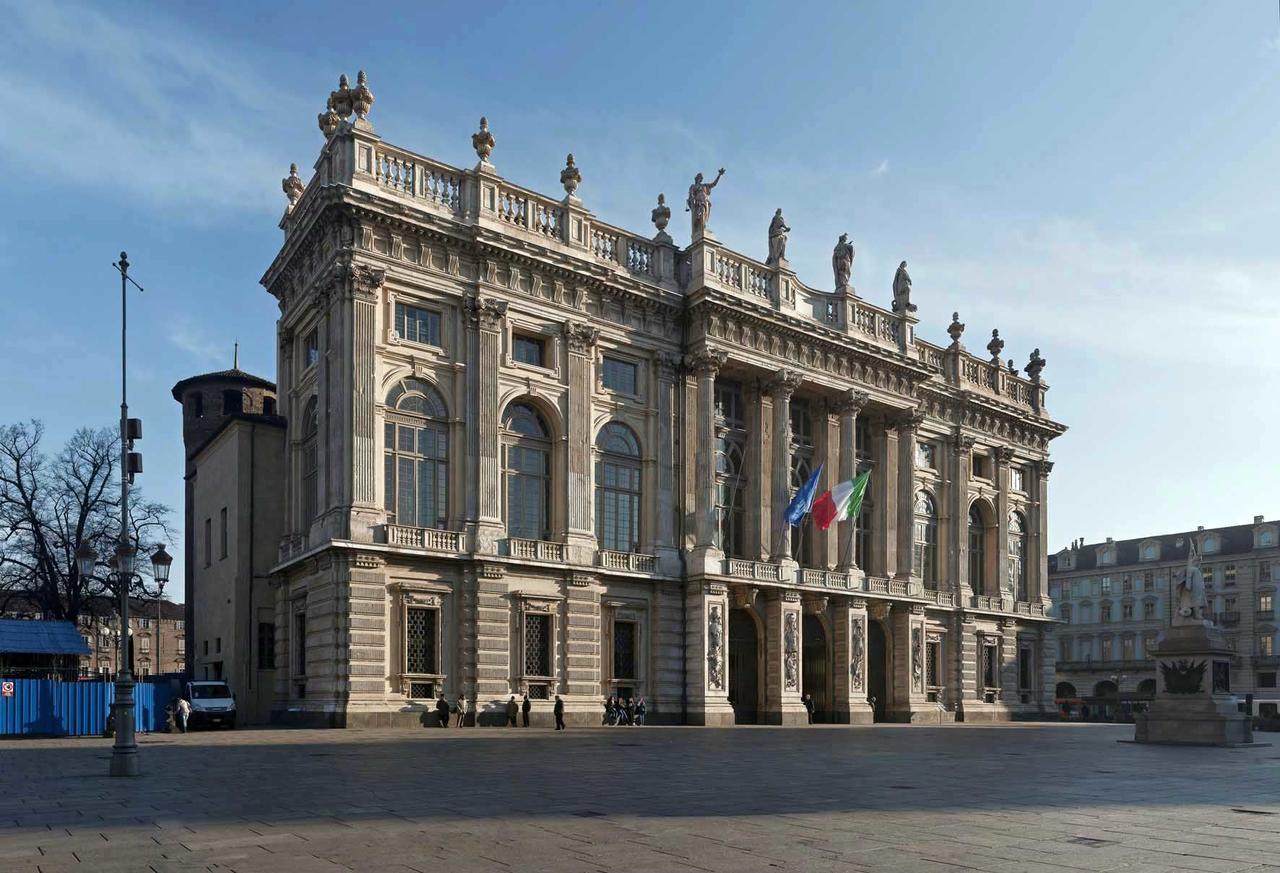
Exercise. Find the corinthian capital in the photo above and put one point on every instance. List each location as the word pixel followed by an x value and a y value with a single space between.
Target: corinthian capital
pixel 486 312
pixel 783 384
pixel 705 363
pixel 579 337
pixel 1046 467
pixel 851 402
pixel 909 421
pixel 1004 455
pixel 366 280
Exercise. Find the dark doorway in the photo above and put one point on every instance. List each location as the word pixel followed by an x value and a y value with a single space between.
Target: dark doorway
pixel 744 667
pixel 816 667
pixel 877 669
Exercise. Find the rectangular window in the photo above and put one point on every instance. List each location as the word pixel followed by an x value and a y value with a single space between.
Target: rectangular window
pixel 206 647
pixel 420 647
pixel 1126 611
pixel 1264 571
pixel 1025 672
pixel 1086 650
pixel 619 376
pixel 208 542
pixel 1064 649
pixel 299 642
pixel 180 624
pixel 537 644
pixel 624 650
pixel 182 646
pixel 223 532
pixel 144 623
pixel 1148 581
pixel 1264 602
pixel 528 350
pixel 416 325
pixel 1018 478
pixel 266 645
pixel 144 644
pixel 1104 613
pixel 1107 649
pixel 311 353
pixel 1126 584
pixel 217 645
pixel 926 456
pixel 1266 646
pixel 1149 645
pixel 981 466
pixel 1065 612
pixel 990 667
pixel 1208 573
pixel 1106 585
pixel 1229 574
pixel 933 665
pixel 1149 610
pixel 1266 680
pixel 1126 648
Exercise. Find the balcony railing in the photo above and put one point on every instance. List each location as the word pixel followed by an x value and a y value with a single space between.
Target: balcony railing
pixel 535 550
pixel 826 579
pixel 427 538
pixel 631 562
pixel 895 587
pixel 1265 614
pixel 758 570
pixel 1227 619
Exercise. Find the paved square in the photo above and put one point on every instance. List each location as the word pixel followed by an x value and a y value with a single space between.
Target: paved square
pixel 998 798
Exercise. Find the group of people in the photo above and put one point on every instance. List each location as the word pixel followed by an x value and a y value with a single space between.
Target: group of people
pixel 514 710
pixel 624 712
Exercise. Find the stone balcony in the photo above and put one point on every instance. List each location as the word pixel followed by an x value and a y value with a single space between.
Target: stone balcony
pixel 629 562
pixel 428 539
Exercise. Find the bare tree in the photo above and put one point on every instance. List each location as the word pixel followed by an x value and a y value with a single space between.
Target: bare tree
pixel 50 506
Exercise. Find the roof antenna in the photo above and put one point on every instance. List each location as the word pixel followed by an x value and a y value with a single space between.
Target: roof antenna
pixel 235 357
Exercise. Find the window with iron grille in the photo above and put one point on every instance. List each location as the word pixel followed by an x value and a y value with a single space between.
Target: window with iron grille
pixel 933 662
pixel 990 675
pixel 537 644
pixel 1025 672
pixel 299 644
pixel 624 650
pixel 420 640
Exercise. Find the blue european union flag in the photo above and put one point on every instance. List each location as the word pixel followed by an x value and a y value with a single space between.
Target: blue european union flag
pixel 803 501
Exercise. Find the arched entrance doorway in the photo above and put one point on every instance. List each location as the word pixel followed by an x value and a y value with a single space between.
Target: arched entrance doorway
pixel 744 667
pixel 877 669
pixel 1106 698
pixel 816 666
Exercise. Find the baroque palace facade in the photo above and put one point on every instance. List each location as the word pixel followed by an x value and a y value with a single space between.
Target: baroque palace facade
pixel 531 452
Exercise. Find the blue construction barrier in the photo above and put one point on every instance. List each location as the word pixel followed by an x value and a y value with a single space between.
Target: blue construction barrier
pixel 46 707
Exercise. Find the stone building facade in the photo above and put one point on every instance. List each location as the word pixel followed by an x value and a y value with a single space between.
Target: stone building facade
pixel 532 452
pixel 1113 599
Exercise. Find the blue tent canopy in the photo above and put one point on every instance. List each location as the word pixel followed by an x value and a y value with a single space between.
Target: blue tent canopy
pixel 18 636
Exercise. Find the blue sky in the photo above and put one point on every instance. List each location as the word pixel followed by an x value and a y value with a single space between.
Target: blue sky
pixel 1098 180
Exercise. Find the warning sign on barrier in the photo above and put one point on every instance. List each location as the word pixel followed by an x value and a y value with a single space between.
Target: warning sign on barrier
pixel 6 689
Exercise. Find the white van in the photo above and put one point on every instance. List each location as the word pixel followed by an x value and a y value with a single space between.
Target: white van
pixel 212 703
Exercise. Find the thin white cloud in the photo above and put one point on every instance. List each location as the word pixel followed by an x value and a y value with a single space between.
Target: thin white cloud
pixel 143 111
pixel 881 169
pixel 186 336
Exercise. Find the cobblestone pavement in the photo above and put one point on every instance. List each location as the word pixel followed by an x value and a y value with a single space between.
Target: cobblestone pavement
pixel 1000 798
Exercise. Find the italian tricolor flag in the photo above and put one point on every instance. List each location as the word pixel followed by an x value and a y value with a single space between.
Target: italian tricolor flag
pixel 841 503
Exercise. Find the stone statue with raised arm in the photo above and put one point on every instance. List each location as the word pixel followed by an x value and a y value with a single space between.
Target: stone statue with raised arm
pixel 778 231
pixel 699 202
pixel 902 290
pixel 1190 600
pixel 842 262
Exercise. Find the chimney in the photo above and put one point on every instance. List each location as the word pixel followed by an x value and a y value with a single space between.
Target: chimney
pixel 1257 519
pixel 1199 527
pixel 1110 540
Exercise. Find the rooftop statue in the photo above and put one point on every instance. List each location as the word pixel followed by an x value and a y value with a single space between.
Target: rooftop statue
pixel 842 261
pixel 778 231
pixel 699 202
pixel 902 290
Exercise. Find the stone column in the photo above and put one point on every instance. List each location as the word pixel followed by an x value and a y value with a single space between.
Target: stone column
pixel 782 696
pixel 849 667
pixel 1004 456
pixel 1038 545
pixel 485 316
pixel 665 643
pixel 706 555
pixel 580 539
pixel 757 461
pixel 1009 662
pixel 662 507
pixel 964 690
pixel 962 461
pixel 492 641
pixel 365 470
pixel 780 388
pixel 850 404
pixel 707 654
pixel 885 482
pixel 826 543
pixel 1046 667
pixel 582 642
pixel 909 698
pixel 907 428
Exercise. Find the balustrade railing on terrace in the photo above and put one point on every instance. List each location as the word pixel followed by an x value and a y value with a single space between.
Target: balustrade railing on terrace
pixel 744 569
pixel 424 538
pixel 825 578
pixel 538 550
pixel 419 178
pixel 631 562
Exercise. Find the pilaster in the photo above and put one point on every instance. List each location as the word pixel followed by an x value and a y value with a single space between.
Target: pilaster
pixel 907 426
pixel 493 617
pixel 580 539
pixel 849 663
pixel 958 531
pixel 582 641
pixel 886 508
pixel 665 546
pixel 707 655
pixel 707 556
pixel 1039 545
pixel 1004 457
pixel 849 406
pixel 782 695
pixel 757 460
pixel 365 513
pixel 485 316
pixel 781 387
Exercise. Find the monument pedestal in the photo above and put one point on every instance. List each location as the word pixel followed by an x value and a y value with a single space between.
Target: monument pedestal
pixel 1193 704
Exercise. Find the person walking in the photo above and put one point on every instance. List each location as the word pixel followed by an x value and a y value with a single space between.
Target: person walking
pixel 442 710
pixel 462 711
pixel 640 711
pixel 525 708
pixel 559 711
pixel 808 706
pixel 512 709
pixel 631 711
pixel 608 711
pixel 183 712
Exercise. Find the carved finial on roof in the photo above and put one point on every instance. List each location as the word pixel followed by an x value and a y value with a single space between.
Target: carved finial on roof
pixel 362 100
pixel 996 346
pixel 661 215
pixel 955 330
pixel 482 141
pixel 1013 368
pixel 1035 365
pixel 329 119
pixel 292 185
pixel 342 98
pixel 570 176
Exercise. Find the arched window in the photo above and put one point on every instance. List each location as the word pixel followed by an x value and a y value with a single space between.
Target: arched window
pixel 731 481
pixel 925 550
pixel 977 550
pixel 1018 555
pixel 802 452
pixel 528 473
pixel 618 489
pixel 416 456
pixel 310 464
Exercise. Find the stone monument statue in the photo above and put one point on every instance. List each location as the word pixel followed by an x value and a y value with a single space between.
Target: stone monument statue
pixel 778 231
pixel 699 201
pixel 842 262
pixel 1188 593
pixel 902 290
